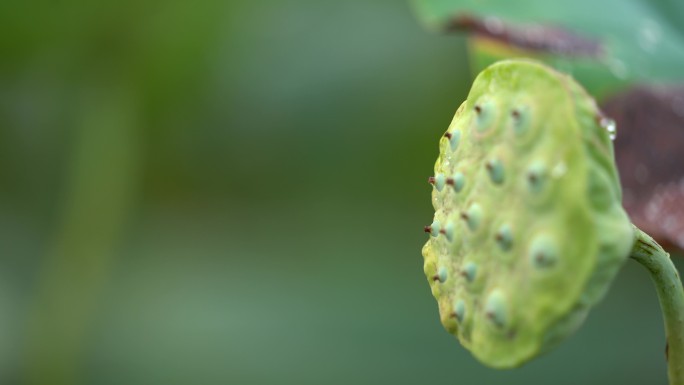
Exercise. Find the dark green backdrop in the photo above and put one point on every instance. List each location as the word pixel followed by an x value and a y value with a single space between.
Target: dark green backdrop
pixel 234 192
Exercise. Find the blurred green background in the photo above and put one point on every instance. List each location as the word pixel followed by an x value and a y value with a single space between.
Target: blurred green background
pixel 234 192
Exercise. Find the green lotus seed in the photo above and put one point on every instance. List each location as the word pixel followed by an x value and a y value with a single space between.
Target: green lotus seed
pixel 454 138
pixel 504 237
pixel 434 228
pixel 473 216
pixel 442 274
pixel 440 181
pixel 495 308
pixel 469 271
pixel 543 252
pixel 457 181
pixel 536 176
pixel 484 118
pixel 495 170
pixel 520 120
pixel 459 310
pixel 448 231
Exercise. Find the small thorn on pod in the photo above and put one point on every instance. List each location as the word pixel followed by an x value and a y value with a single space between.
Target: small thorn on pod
pixel 459 310
pixel 504 237
pixel 441 275
pixel 431 180
pixel 447 135
pixel 433 229
pixel 478 108
pixel 495 308
pixel 515 114
pixel 469 271
pixel 472 216
pixel 543 253
pixel 495 169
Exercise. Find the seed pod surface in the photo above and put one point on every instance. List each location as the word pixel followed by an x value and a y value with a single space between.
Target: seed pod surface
pixel 536 214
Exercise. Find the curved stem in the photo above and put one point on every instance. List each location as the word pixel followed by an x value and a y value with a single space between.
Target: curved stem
pixel 671 295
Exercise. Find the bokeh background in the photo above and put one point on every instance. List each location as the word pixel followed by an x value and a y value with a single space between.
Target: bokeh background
pixel 233 192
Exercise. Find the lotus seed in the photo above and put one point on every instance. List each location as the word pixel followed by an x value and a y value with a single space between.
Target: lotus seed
pixel 495 170
pixel 504 237
pixel 543 252
pixel 472 216
pixel 440 180
pixel 448 230
pixel 469 271
pixel 535 177
pixel 520 122
pixel 454 139
pixel 433 229
pixel 484 115
pixel 459 310
pixel 441 275
pixel 495 308
pixel 457 181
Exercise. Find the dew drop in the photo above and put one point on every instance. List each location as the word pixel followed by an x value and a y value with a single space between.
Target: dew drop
pixel 610 126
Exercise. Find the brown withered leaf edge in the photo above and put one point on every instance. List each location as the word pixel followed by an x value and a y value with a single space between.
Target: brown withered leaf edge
pixel 649 150
pixel 535 37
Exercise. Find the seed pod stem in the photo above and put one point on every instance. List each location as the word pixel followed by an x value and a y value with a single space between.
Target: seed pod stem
pixel 671 296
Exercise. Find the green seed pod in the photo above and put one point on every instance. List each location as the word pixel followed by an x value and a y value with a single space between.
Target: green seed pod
pixel 537 231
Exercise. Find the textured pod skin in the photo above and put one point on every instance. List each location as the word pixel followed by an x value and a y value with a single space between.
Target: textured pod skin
pixel 538 230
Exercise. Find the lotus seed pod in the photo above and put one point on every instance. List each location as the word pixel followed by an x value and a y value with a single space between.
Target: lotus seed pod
pixel 536 228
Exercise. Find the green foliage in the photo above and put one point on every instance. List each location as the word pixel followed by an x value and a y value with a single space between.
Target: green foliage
pixel 642 41
pixel 536 232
